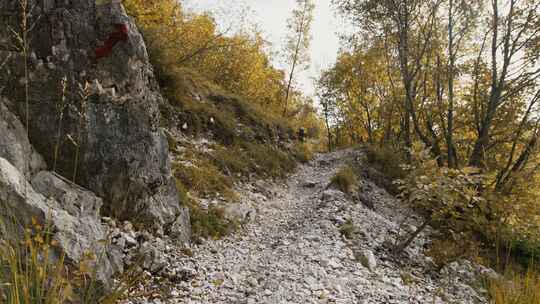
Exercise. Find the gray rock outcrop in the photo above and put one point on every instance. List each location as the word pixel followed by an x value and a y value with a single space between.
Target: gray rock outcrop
pixel 102 118
pixel 14 144
pixel 70 211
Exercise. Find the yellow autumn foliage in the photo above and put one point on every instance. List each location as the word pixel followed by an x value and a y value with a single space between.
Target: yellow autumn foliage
pixel 235 61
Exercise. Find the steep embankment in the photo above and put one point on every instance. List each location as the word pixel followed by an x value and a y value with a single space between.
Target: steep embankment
pixel 294 249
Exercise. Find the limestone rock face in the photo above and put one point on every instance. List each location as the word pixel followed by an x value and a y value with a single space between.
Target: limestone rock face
pixel 54 202
pixel 180 230
pixel 77 201
pixel 14 144
pixel 97 121
pixel 18 200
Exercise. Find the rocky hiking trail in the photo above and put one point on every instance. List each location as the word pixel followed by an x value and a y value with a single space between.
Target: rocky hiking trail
pixel 292 251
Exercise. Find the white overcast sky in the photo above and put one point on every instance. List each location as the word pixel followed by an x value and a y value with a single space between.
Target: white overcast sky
pixel 271 15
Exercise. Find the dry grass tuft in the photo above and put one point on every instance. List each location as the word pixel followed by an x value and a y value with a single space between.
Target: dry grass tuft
pixel 304 152
pixel 34 271
pixel 29 274
pixel 205 179
pixel 345 180
pixel 446 250
pixel 347 229
pixel 519 289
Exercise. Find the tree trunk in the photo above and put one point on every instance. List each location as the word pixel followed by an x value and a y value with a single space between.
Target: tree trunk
pixel 402 246
pixel 451 150
pixel 295 59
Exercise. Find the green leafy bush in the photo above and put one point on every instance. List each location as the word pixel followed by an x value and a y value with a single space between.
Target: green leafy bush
pixel 447 195
pixel 387 160
pixel 449 199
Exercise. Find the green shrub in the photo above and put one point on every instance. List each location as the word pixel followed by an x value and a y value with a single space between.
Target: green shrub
pixel 446 197
pixel 205 224
pixel 386 160
pixel 210 223
pixel 525 250
pixel 345 180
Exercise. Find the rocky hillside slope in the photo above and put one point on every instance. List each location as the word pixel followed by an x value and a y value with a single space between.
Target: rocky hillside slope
pixel 94 149
pixel 305 242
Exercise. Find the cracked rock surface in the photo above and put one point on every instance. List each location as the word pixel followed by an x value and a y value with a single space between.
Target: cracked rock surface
pixel 292 251
pixel 94 122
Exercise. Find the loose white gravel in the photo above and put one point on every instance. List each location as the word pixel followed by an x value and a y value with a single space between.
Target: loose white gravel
pixel 292 251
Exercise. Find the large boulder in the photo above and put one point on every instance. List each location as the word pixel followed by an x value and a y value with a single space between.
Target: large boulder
pixel 69 210
pixel 99 122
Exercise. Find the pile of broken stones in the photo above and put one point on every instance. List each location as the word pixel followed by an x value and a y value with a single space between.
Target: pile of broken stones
pixel 147 256
pixel 292 251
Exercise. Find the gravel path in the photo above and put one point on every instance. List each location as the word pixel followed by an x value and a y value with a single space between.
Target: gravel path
pixel 292 250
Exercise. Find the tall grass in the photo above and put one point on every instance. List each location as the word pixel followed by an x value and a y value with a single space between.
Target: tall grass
pixel 22 44
pixel 60 107
pixel 35 271
pixel 517 289
pixel 30 273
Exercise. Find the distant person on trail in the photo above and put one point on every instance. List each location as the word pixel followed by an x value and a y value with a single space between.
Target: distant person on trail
pixel 302 134
pixel 116 15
